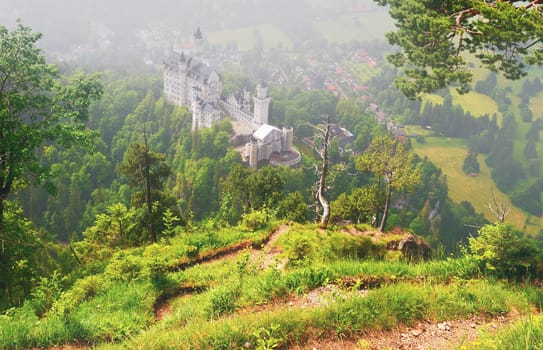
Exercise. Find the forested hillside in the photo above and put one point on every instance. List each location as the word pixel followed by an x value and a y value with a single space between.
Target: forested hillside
pixel 122 226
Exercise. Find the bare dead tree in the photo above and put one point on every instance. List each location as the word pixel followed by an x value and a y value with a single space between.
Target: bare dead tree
pixel 498 207
pixel 322 204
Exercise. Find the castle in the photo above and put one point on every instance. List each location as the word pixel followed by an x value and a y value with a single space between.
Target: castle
pixel 192 82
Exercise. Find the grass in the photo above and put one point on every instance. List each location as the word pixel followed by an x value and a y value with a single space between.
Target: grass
pixel 247 38
pixel 524 334
pixel 128 307
pixel 382 309
pixel 536 105
pixel 449 154
pixel 232 300
pixel 475 103
pixel 431 98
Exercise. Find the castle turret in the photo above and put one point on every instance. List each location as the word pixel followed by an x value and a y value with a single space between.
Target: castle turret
pixel 251 151
pixel 198 42
pixel 287 139
pixel 261 105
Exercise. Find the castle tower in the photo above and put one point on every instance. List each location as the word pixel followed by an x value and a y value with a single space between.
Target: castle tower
pixel 198 42
pixel 252 153
pixel 287 139
pixel 261 106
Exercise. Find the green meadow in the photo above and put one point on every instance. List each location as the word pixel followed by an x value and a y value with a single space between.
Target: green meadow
pixel 449 154
pixel 475 103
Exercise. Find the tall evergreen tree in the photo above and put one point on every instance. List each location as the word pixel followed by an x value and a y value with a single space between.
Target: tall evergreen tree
pixel 147 170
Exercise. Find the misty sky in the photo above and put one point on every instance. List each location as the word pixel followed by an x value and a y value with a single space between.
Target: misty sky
pixel 66 23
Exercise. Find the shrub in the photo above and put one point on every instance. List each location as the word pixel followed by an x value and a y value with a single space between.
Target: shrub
pixel 256 219
pixel 126 268
pixel 222 301
pixel 48 290
pixel 82 290
pixel 299 247
pixel 345 246
pixel 501 250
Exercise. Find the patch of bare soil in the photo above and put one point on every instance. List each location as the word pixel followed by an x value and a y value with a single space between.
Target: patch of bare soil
pixel 424 335
pixel 270 252
pixel 162 310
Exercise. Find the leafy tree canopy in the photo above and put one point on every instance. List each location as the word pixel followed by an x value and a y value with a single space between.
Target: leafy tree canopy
pixel 36 109
pixel 435 38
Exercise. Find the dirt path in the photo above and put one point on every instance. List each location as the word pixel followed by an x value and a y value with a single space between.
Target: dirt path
pixel 267 255
pixel 424 335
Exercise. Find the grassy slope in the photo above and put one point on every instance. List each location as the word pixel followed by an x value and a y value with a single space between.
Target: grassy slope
pixel 475 103
pixel 357 286
pixel 449 154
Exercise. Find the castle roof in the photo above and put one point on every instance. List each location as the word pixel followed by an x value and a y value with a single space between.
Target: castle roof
pixel 263 131
pixel 196 68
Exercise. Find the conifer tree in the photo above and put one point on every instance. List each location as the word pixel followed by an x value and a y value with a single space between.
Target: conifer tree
pixel 435 36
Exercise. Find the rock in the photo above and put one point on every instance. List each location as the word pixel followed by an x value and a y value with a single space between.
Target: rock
pixel 414 248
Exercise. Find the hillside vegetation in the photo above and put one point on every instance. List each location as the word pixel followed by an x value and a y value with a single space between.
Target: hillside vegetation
pixel 280 286
pixel 500 123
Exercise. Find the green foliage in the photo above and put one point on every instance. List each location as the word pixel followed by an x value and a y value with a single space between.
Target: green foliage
pixel 267 338
pixel 126 268
pixel 392 164
pixel 37 109
pixel 358 207
pixel 301 245
pixel 82 290
pixel 222 301
pixel 471 164
pixel 25 257
pixel 293 208
pixel 501 250
pixel 117 227
pixel 46 292
pixel 504 33
pixel 256 219
pixel 147 170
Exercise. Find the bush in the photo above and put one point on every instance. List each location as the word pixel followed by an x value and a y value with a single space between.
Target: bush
pixel 299 247
pixel 501 250
pixel 223 300
pixel 256 219
pixel 48 290
pixel 82 290
pixel 126 268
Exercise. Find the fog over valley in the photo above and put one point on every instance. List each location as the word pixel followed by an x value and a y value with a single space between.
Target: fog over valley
pixel 123 30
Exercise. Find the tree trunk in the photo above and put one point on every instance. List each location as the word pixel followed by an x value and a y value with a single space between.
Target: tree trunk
pixel 322 182
pixel 148 192
pixel 1 216
pixel 385 210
